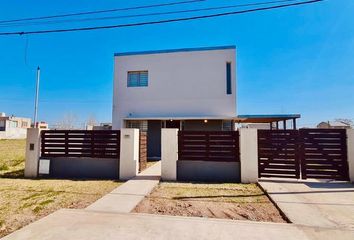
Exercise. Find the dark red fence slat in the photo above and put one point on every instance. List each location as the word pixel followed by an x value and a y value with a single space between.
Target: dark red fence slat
pixel 222 146
pixel 80 143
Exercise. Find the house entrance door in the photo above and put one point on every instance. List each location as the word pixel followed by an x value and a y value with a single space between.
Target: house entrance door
pixel 173 124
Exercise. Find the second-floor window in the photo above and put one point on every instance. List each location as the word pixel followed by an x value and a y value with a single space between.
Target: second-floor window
pixel 138 79
pixel 228 78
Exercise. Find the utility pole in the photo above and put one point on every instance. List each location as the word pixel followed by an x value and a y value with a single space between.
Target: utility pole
pixel 36 98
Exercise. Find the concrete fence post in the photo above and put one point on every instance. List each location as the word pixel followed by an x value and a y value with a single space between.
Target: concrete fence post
pixel 169 154
pixel 129 153
pixel 350 147
pixel 249 155
pixel 33 146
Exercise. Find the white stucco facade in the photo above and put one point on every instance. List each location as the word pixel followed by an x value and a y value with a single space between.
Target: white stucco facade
pixel 181 83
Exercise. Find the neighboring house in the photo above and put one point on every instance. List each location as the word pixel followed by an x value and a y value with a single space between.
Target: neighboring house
pixel 334 124
pixel 13 127
pixel 190 89
pixel 42 125
pixel 102 126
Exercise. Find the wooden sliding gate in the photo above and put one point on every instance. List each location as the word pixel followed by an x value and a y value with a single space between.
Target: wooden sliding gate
pixel 316 153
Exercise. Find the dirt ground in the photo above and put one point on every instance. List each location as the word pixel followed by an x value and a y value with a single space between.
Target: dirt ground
pixel 228 201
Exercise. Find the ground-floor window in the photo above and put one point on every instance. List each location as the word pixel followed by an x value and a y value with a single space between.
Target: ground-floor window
pixel 227 125
pixel 141 125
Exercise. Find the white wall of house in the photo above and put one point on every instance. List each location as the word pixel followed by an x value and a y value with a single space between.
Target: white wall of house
pixel 13 129
pixel 14 133
pixel 183 83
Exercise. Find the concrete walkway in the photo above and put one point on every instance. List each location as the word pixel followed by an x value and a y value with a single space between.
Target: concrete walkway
pixel 124 198
pixel 88 225
pixel 314 203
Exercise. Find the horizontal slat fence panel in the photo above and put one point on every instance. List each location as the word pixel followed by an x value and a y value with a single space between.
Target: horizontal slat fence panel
pixel 278 154
pixel 324 154
pixel 80 143
pixel 220 146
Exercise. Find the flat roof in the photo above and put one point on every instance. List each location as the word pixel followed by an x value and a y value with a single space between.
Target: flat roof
pixel 175 50
pixel 178 118
pixel 240 118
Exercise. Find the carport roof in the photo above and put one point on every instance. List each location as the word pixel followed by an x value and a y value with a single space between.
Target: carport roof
pixel 266 118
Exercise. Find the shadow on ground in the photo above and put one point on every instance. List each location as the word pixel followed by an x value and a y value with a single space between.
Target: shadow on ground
pixel 13 174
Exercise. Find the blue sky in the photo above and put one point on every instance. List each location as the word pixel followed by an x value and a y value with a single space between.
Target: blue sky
pixel 294 60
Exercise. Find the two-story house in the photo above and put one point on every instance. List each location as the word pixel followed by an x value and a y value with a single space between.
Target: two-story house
pixel 189 89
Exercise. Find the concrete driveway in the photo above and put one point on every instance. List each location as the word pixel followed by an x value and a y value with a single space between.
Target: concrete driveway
pixel 314 203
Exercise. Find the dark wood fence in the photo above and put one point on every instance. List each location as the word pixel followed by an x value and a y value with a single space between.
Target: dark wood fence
pixel 142 151
pixel 208 146
pixel 319 153
pixel 324 154
pixel 278 153
pixel 80 143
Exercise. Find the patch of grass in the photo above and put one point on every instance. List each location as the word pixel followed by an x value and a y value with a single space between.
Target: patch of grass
pixel 37 209
pixel 12 157
pixel 32 196
pixel 46 202
pixel 18 161
pixel 24 200
pixel 4 167
pixel 27 205
pixel 13 174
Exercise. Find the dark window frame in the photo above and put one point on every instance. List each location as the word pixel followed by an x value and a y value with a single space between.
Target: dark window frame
pixel 228 78
pixel 139 83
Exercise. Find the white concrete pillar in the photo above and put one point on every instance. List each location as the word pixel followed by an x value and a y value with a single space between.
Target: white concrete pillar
pixel 33 146
pixel 129 153
pixel 350 146
pixel 249 155
pixel 169 153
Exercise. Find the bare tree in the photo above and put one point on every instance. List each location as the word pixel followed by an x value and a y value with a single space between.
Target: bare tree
pixel 345 120
pixel 68 122
pixel 91 120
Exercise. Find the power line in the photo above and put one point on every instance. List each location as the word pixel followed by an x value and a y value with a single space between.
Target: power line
pixel 146 14
pixel 160 21
pixel 102 11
